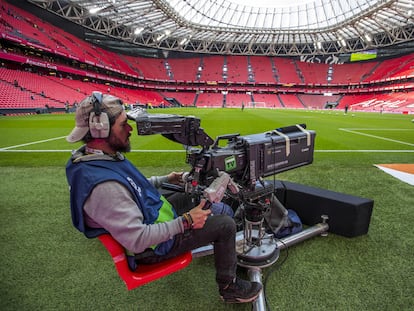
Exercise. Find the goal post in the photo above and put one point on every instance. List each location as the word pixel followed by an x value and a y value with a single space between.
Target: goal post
pixel 256 105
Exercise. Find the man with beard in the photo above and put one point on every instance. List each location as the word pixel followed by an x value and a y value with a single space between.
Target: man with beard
pixel 109 194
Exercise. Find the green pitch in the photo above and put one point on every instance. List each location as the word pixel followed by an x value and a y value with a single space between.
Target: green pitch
pixel 48 265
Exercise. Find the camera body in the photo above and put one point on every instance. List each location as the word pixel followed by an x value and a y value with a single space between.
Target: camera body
pixel 247 159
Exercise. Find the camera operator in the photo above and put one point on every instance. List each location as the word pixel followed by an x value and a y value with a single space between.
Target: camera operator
pixel 109 194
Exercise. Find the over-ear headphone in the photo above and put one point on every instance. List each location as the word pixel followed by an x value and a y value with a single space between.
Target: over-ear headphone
pixel 98 121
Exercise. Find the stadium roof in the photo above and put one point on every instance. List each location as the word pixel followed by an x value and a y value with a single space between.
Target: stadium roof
pixel 270 27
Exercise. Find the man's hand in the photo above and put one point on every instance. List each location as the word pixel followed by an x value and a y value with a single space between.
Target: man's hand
pixel 199 215
pixel 175 178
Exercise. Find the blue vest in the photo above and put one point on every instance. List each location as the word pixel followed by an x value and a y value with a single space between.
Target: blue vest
pixel 83 176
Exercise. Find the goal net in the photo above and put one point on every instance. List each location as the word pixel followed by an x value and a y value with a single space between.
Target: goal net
pixel 256 105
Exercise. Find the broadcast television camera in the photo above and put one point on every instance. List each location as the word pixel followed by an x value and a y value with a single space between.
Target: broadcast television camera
pixel 234 172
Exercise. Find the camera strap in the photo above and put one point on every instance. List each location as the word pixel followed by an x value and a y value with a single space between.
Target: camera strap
pixel 287 140
pixel 307 133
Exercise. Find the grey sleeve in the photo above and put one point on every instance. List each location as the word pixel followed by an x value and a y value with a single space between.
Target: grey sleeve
pixel 157 181
pixel 111 207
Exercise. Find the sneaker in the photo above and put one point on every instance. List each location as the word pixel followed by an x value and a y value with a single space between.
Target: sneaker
pixel 240 291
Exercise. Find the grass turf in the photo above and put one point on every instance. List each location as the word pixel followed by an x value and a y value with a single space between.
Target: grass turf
pixel 48 265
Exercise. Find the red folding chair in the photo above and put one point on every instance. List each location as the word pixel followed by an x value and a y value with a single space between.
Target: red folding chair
pixel 144 273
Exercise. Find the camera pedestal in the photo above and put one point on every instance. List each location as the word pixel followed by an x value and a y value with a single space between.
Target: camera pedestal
pixel 267 252
pixel 255 258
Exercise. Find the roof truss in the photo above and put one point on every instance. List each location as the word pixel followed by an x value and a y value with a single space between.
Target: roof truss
pixel 388 22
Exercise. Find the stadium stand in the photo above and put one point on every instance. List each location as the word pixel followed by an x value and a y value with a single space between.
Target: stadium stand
pixel 212 68
pixel 392 68
pixel 53 67
pixel 182 98
pixel 287 71
pixel 313 73
pixel 152 68
pixel 210 100
pixel 236 99
pixel 237 69
pixel 262 68
pixel 291 101
pixel 185 69
pixel 318 101
pixel 401 101
pixel 351 73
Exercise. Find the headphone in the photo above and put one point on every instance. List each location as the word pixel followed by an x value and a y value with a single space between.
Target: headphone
pixel 98 121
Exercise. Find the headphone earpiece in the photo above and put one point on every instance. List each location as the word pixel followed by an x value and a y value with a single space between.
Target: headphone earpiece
pixel 98 121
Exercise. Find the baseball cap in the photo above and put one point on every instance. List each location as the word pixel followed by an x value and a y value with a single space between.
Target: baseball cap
pixel 111 105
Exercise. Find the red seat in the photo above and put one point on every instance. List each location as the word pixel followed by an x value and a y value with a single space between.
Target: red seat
pixel 144 273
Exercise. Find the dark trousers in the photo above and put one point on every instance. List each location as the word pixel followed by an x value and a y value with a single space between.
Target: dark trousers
pixel 218 229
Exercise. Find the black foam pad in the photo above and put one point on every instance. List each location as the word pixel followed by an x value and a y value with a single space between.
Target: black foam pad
pixel 349 215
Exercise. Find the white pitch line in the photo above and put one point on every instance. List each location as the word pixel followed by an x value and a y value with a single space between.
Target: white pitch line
pixel 63 150
pixel 31 151
pixel 157 150
pixel 378 137
pixel 367 150
pixel 10 148
pixel 373 129
pixel 181 151
pixel 32 143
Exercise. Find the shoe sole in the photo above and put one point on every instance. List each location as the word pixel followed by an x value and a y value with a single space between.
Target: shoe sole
pixel 241 300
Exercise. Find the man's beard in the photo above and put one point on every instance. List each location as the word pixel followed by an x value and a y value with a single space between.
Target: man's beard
pixel 119 146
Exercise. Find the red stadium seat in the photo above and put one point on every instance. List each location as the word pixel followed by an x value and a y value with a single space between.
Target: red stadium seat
pixel 144 273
